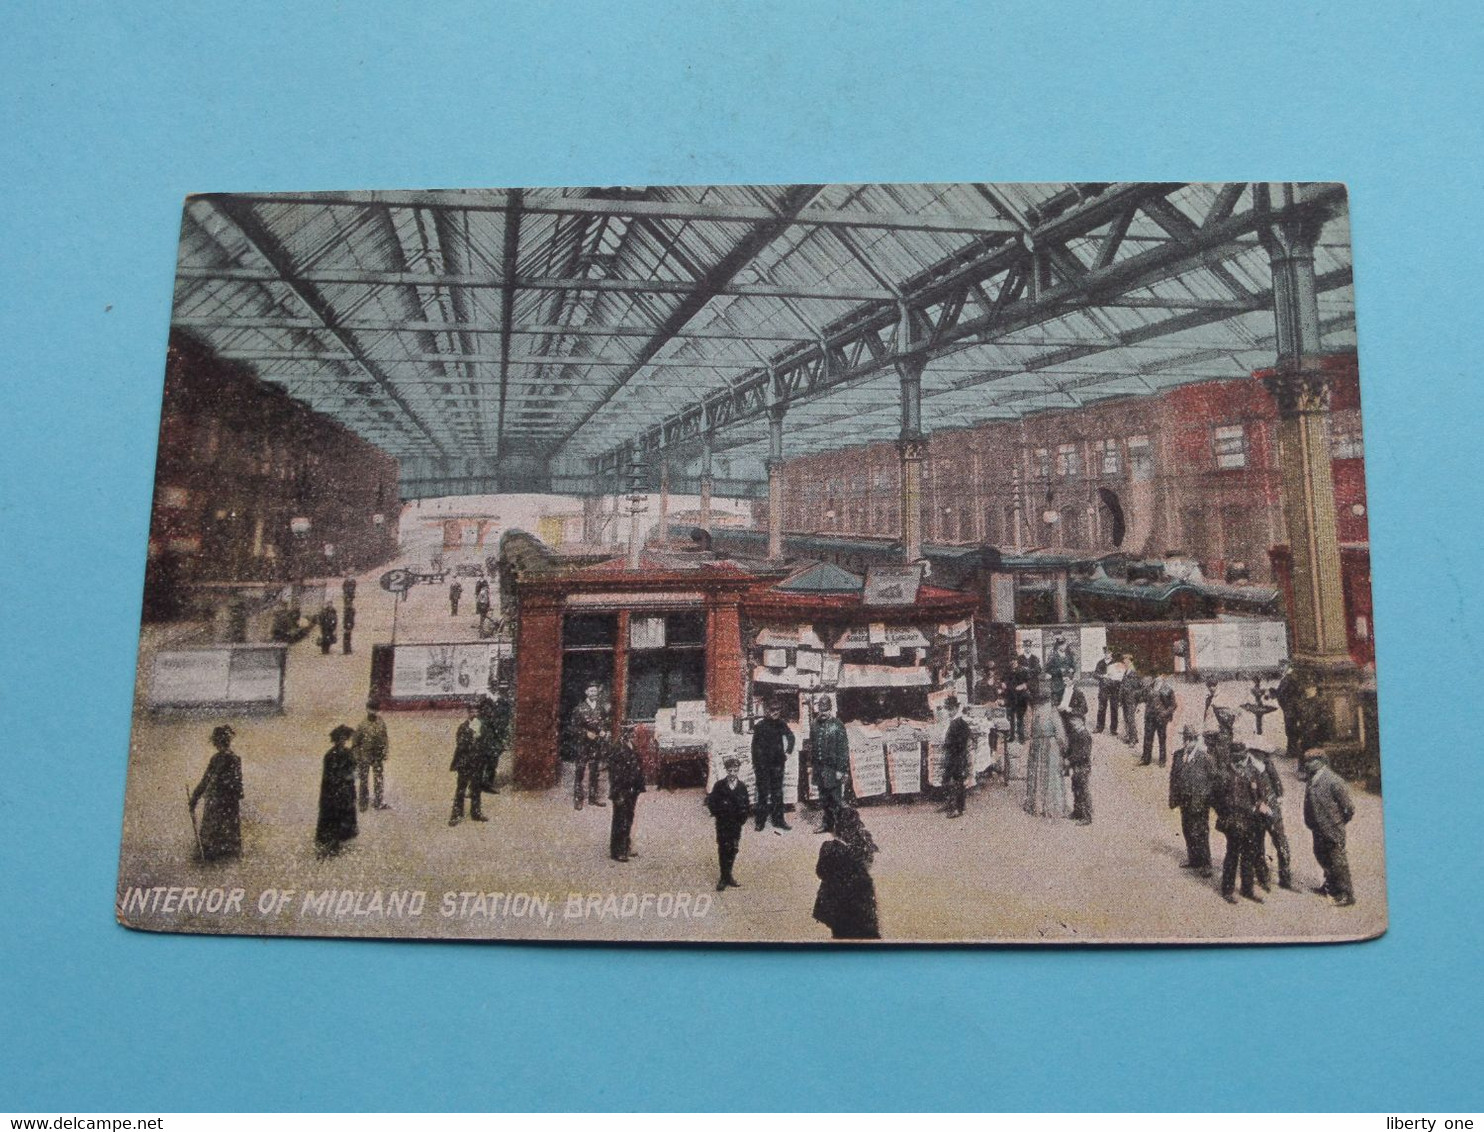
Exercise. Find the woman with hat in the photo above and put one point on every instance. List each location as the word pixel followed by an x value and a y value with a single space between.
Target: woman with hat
pixel 1045 788
pixel 846 902
pixel 337 794
pixel 220 834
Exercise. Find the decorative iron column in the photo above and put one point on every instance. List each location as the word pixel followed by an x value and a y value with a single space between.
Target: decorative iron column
pixel 910 359
pixel 638 504
pixel 706 482
pixel 776 411
pixel 664 499
pixel 1300 385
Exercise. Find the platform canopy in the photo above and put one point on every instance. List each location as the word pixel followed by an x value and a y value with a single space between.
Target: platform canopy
pixel 541 339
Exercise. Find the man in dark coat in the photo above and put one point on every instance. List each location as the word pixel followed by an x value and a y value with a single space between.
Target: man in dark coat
pixel 1079 761
pixel 1023 672
pixel 455 591
pixel 1193 779
pixel 1243 803
pixel 328 621
pixel 589 729
pixel 220 834
pixel 1311 724
pixel 468 763
pixel 286 628
pixel 1061 666
pixel 337 794
pixel 772 743
pixel 1076 704
pixel 1130 692
pixel 1273 824
pixel 347 624
pixel 1327 810
pixel 348 590
pixel 831 758
pixel 1287 695
pixel 625 784
pixel 494 713
pixel 729 805
pixel 481 597
pixel 370 747
pixel 955 757
pixel 1109 673
pixel 1159 709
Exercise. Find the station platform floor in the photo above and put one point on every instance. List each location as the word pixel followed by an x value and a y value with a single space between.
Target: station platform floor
pixel 538 869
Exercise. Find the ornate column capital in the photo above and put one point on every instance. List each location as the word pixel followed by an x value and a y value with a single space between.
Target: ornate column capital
pixel 1302 386
pixel 913 447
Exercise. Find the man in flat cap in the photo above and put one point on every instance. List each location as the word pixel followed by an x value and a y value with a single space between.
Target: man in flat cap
pixel 772 743
pixel 729 805
pixel 589 728
pixel 1244 803
pixel 370 746
pixel 1327 810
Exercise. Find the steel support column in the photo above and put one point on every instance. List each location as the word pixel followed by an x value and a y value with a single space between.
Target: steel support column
pixel 775 479
pixel 706 482
pixel 911 357
pixel 664 499
pixel 638 504
pixel 1300 386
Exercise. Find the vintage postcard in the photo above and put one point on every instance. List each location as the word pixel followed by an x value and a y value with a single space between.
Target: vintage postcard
pixel 916 563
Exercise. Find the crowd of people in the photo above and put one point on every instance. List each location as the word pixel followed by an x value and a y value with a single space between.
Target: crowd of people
pixel 1212 773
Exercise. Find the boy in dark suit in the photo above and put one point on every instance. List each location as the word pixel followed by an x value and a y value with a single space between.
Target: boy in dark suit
pixel 729 805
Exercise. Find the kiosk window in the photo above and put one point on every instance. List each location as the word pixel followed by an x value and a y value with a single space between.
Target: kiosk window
pixel 589 630
pixel 662 677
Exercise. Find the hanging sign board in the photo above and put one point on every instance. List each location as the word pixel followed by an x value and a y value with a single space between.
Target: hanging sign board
pixel 906 637
pixel 891 585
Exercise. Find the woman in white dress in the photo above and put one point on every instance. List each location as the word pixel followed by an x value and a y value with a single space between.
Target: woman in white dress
pixel 1045 787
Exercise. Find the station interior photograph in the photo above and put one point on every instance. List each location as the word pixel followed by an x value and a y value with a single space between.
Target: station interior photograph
pixel 854 494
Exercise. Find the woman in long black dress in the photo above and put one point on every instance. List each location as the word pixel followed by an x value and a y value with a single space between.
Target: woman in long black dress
pixel 846 903
pixel 337 794
pixel 221 786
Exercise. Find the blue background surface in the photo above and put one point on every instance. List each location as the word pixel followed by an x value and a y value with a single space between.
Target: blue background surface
pixel 112 112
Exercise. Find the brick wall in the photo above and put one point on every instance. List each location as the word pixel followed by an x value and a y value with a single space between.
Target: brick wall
pixel 1192 469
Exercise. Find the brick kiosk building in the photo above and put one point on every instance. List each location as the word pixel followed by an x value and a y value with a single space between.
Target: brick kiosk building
pixel 666 632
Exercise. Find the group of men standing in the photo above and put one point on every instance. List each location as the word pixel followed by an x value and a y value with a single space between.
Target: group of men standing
pixel 1217 772
pixel 478 744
